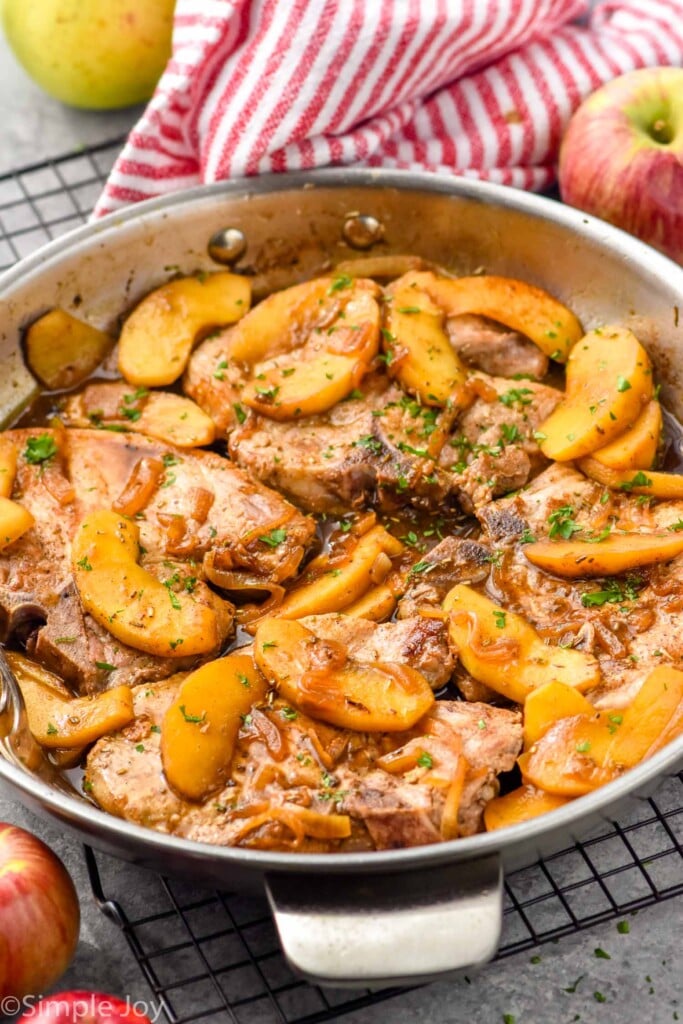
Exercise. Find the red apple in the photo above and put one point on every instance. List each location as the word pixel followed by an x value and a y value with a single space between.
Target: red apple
pixel 80 1007
pixel 622 156
pixel 39 915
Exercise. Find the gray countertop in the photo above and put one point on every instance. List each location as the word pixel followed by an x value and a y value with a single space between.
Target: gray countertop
pixel 640 982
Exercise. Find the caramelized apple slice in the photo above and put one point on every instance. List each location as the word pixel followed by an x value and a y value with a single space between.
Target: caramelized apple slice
pixel 637 448
pixel 571 758
pixel 615 554
pixel 654 718
pixel 15 520
pixel 326 364
pixel 347 581
pixel 501 649
pixel 547 704
pixel 161 414
pixel 657 485
pixel 377 605
pixel 316 676
pixel 287 319
pixel 158 336
pixel 59 721
pixel 521 804
pixel 62 351
pixel 200 727
pixel 8 466
pixel 128 601
pixel 520 306
pixel 418 349
pixel 609 382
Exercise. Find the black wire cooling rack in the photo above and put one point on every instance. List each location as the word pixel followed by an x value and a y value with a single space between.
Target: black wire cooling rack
pixel 219 951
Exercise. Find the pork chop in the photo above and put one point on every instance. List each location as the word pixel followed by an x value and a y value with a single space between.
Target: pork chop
pixel 188 506
pixel 453 560
pixel 631 622
pixel 495 349
pixel 418 642
pixel 493 448
pixel 290 774
pixel 372 449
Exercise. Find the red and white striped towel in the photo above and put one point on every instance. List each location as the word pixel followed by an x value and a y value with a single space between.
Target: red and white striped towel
pixel 481 88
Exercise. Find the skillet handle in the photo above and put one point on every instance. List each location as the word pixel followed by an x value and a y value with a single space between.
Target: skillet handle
pixel 361 930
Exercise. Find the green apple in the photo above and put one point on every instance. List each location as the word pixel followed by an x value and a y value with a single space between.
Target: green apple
pixel 96 54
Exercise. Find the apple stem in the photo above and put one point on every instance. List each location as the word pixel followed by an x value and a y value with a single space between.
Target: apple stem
pixel 660 131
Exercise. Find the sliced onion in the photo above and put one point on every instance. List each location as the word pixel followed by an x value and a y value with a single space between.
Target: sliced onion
pixel 140 486
pixel 242 583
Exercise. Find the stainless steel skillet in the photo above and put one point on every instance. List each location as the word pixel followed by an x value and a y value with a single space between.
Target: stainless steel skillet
pixel 404 914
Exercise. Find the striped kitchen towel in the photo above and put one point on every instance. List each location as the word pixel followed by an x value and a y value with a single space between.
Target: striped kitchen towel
pixel 481 88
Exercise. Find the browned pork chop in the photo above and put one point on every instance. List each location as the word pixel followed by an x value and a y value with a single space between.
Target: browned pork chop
pixel 453 560
pixel 631 622
pixel 493 449
pixel 290 772
pixel 495 349
pixel 372 449
pixel 418 642
pixel 187 505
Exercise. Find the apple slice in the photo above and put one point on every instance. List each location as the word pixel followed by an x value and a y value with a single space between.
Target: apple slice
pixel 520 306
pixel 500 648
pixel 519 805
pixel 418 350
pixel 131 603
pixel 609 381
pixel 316 676
pixel 158 336
pixel 15 520
pixel 347 581
pixel 657 485
pixel 62 351
pixel 573 559
pixel 200 727
pixel 8 466
pixel 308 350
pixel 547 704
pixel 637 448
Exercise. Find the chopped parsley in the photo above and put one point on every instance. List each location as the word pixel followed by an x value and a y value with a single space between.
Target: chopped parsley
pixel 515 396
pixel 562 523
pixel 425 760
pixel 499 616
pixel 510 432
pixel 623 384
pixel 193 719
pixel 369 442
pixel 274 538
pixel 83 563
pixel 613 592
pixel 130 414
pixel 239 412
pixel 289 714
pixel 51 729
pixel 339 283
pixel 40 449
pixel 105 666
pixel 639 480
pixel 421 567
